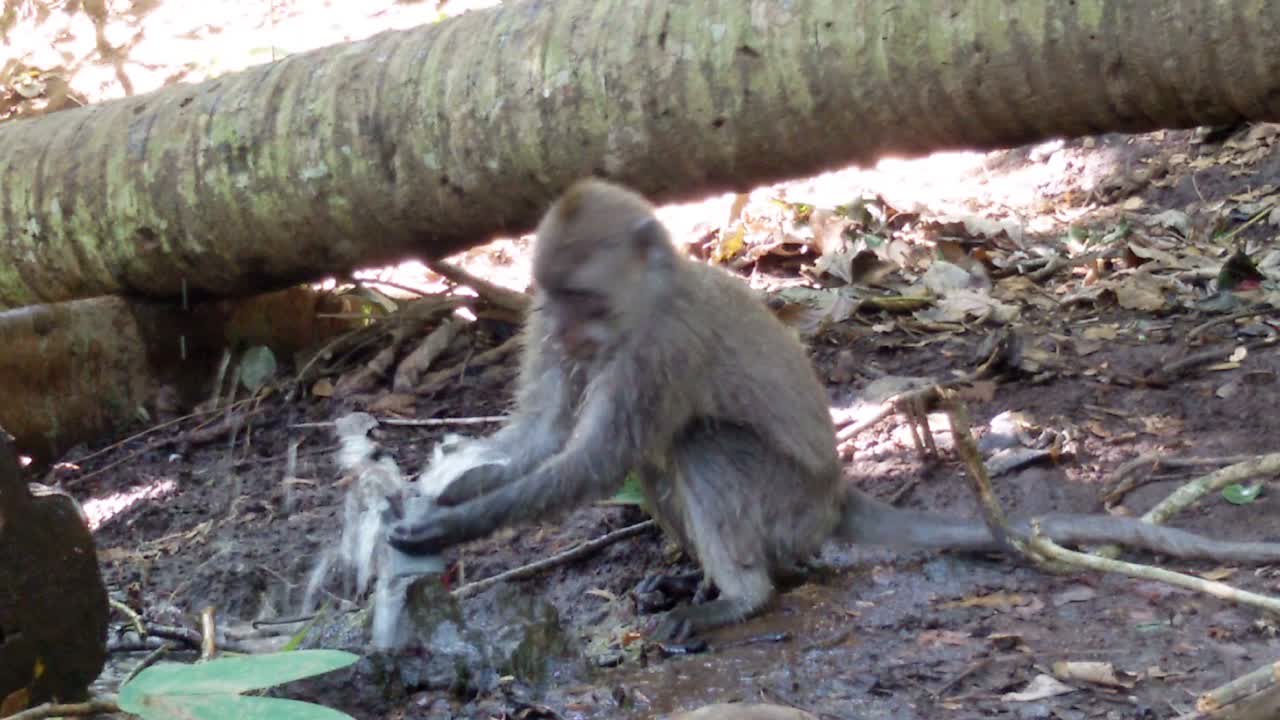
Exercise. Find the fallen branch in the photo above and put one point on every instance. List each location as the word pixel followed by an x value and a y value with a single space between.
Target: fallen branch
pixel 436 380
pixel 1048 548
pixel 1254 696
pixel 1124 480
pixel 191 639
pixel 575 553
pixel 132 644
pixel 1191 492
pixel 493 293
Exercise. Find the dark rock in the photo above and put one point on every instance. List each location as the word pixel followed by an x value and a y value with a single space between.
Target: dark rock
pixel 53 605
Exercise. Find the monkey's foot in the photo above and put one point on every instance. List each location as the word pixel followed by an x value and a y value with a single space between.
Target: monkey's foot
pixel 686 621
pixel 662 591
pixel 672 626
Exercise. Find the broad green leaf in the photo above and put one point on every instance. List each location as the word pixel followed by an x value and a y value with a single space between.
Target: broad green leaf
pixel 1238 494
pixel 227 676
pixel 228 707
pixel 630 494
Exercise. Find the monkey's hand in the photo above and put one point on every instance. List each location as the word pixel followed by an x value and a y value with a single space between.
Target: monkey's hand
pixel 429 532
pixel 473 483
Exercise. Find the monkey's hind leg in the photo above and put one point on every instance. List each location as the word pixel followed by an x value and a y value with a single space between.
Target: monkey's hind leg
pixel 744 592
pixel 703 495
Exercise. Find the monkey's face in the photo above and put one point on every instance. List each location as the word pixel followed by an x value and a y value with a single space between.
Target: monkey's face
pixel 593 293
pixel 598 264
pixel 581 322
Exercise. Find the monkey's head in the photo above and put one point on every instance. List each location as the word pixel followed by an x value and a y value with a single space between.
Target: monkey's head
pixel 600 264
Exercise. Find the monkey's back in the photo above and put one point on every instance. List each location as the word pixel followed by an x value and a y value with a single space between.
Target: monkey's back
pixel 765 372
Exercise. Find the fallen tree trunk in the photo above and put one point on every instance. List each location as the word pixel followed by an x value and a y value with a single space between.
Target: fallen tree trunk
pixel 423 142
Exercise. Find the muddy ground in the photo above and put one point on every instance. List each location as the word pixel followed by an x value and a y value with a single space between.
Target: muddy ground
pixel 884 635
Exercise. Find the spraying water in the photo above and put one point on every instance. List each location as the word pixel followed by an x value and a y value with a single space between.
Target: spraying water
pixel 362 556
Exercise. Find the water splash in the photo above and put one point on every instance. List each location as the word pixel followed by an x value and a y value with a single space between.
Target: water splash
pixel 362 556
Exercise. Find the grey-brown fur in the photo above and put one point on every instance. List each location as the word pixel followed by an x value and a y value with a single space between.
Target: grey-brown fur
pixel 637 358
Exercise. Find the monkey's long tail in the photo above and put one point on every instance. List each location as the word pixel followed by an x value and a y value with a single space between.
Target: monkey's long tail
pixel 1099 529
pixel 874 522
pixel 868 520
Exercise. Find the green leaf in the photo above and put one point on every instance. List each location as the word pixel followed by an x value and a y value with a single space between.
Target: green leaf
pixel 174 690
pixel 1238 494
pixel 223 707
pixel 630 494
pixel 220 707
pixel 257 367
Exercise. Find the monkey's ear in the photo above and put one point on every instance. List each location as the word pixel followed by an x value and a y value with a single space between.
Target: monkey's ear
pixel 648 235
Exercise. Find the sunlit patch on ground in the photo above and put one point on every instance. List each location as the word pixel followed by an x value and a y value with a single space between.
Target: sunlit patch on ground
pixel 102 509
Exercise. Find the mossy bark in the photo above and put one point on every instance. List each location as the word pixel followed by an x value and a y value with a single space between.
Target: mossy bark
pixel 423 142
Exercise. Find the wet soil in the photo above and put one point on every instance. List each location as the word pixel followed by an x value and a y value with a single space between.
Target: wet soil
pixel 881 634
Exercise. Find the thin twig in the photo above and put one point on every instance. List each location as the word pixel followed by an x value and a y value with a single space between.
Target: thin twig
pixel 417 422
pixel 980 481
pixel 1195 332
pixel 141 434
pixel 1224 239
pixel 151 659
pixel 568 556
pixel 134 618
pixel 97 706
pixel 197 435
pixel 437 422
pixel 1173 370
pixel 417 292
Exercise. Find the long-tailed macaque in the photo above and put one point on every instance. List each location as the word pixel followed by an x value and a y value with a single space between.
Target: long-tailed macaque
pixel 638 358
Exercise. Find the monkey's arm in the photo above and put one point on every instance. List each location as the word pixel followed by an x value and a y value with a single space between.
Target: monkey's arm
pixel 537 430
pixel 525 443
pixel 605 444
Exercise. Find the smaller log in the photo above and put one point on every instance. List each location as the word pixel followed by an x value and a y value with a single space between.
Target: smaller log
pixel 1255 696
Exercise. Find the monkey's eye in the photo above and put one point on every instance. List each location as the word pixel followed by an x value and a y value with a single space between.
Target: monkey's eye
pixel 570 295
pixel 585 304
